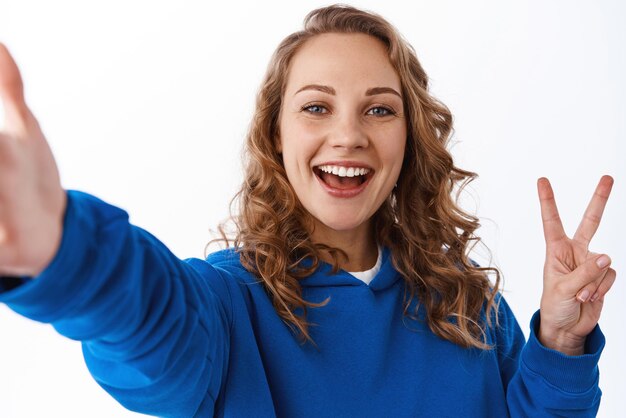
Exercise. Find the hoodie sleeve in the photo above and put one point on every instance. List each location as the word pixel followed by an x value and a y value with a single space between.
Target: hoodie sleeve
pixel 542 382
pixel 155 330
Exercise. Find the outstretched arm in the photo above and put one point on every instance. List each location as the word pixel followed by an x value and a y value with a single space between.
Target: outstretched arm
pixel 155 329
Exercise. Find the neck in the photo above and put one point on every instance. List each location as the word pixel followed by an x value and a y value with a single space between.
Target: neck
pixel 358 244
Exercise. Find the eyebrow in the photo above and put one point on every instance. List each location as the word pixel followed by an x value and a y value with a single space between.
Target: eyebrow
pixel 329 90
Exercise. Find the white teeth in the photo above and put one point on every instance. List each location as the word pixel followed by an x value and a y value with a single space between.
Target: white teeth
pixel 342 171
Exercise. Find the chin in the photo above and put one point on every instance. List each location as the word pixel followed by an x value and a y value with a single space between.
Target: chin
pixel 341 223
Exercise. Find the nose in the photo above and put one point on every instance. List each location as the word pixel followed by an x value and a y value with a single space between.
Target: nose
pixel 348 132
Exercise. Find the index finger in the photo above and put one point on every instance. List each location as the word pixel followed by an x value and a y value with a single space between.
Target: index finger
pixel 593 214
pixel 552 227
pixel 12 93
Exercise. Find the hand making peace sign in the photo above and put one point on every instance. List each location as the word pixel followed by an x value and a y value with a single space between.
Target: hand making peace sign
pixel 575 280
pixel 32 201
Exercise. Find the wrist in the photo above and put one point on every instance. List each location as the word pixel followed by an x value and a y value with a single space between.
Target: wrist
pixel 563 342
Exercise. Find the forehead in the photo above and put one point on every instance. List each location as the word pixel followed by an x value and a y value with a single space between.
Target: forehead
pixel 340 59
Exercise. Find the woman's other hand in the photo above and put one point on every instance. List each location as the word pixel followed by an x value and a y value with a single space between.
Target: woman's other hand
pixel 575 280
pixel 32 201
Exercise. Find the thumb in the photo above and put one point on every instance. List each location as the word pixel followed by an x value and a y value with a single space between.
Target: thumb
pixel 593 269
pixel 16 113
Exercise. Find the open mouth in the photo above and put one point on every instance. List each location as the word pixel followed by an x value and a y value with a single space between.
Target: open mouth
pixel 343 178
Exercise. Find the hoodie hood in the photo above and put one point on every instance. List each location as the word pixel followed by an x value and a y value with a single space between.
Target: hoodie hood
pixel 324 277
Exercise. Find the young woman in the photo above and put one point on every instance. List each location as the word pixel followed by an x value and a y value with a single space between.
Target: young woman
pixel 347 291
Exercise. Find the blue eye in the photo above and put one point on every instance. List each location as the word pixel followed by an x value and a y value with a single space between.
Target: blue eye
pixel 314 108
pixel 380 111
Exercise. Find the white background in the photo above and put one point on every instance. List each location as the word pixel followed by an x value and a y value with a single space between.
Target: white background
pixel 146 104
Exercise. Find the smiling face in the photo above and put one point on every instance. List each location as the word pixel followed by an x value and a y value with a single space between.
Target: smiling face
pixel 342 132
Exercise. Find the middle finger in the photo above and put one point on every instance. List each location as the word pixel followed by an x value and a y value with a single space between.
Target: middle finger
pixel 593 214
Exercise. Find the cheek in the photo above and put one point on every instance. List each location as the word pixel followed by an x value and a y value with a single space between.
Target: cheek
pixel 305 131
pixel 393 149
pixel 300 140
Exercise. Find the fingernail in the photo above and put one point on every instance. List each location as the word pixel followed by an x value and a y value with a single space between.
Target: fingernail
pixel 583 296
pixel 594 297
pixel 603 261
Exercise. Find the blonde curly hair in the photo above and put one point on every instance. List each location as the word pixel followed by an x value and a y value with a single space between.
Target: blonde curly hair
pixel 428 234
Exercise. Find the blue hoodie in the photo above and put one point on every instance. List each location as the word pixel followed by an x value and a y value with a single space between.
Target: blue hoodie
pixel 200 338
